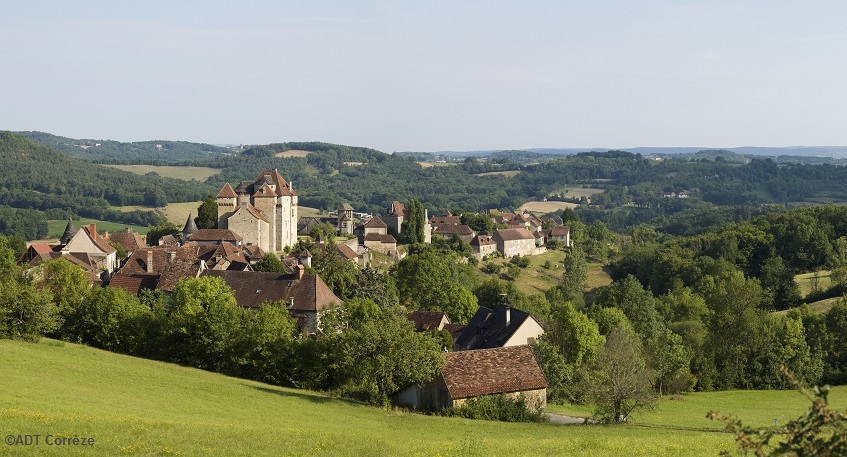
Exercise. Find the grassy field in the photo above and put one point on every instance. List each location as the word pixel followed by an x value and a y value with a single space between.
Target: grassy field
pixel 138 407
pixel 807 282
pixel 185 173
pixel 535 279
pixel 688 412
pixel 56 228
pixel 578 192
pixel 436 164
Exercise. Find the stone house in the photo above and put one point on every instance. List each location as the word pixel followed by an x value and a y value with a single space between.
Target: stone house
pixel 561 233
pixel 447 231
pixel 88 241
pixel 503 326
pixel 511 371
pixel 262 211
pixel 483 245
pixel 374 225
pixel 514 241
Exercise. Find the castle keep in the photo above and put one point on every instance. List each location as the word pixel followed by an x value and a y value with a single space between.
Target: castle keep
pixel 262 211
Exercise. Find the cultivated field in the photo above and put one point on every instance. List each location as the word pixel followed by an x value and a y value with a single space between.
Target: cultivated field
pixel 56 228
pixel 185 173
pixel 546 207
pixel 132 406
pixel 293 153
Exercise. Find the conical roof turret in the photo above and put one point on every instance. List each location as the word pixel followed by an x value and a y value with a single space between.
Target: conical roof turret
pixel 70 231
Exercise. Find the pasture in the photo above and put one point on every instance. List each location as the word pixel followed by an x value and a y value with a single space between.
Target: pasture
pixel 509 173
pixel 133 406
pixel 184 173
pixel 545 207
pixel 578 191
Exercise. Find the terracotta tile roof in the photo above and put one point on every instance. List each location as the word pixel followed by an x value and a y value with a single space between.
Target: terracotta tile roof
pixel 137 263
pixel 427 320
pixel 345 207
pixel 454 329
pixel 253 252
pixel 482 240
pixel 397 209
pixel 445 220
pixel 41 248
pixel 452 230
pixel 265 192
pixel 128 239
pixel 282 188
pixel 179 270
pixel 252 289
pixel 385 239
pixel 560 231
pixel 376 222
pixel 215 235
pixel 346 252
pixel 227 192
pixel 492 371
pixel 134 283
pixel 515 234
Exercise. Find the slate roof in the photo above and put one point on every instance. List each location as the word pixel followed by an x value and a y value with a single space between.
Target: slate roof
pixel 227 192
pixel 454 329
pixel 69 233
pixel 306 224
pixel 492 371
pixel 252 289
pixel 190 226
pixel 515 234
pixel 426 320
pixel 488 328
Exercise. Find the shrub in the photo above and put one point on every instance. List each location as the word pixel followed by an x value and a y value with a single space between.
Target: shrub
pixel 519 261
pixel 497 408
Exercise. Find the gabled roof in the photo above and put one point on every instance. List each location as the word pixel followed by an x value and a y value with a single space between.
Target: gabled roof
pixel 482 240
pixel 492 371
pixel 397 209
pixel 134 283
pixel 137 263
pixel 445 220
pixel 560 231
pixel 227 192
pixel 490 329
pixel 128 239
pixel 265 192
pixel 385 239
pixel 253 289
pixel 460 229
pixel 345 207
pixel 179 270
pixel 346 252
pixel 282 188
pixel 513 234
pixel 428 320
pixel 215 235
pixel 101 244
pixel 250 209
pixel 375 222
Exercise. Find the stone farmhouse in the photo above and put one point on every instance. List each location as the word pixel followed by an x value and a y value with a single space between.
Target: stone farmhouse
pixel 262 211
pixel 514 241
pixel 512 371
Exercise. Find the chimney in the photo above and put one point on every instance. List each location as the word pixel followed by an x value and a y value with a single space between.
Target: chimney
pixel 301 270
pixel 127 230
pixel 149 261
pixel 170 257
pixel 92 229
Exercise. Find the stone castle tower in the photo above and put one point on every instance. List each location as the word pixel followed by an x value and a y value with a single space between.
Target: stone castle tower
pixel 262 211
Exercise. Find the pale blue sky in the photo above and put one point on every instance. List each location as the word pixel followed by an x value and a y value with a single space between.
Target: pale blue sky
pixel 426 76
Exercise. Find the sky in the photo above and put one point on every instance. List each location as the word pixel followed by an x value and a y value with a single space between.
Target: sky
pixel 429 76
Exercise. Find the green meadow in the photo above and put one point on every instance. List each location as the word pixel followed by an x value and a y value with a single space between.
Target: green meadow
pixel 133 406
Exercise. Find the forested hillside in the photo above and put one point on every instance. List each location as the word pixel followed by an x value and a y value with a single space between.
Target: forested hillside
pixel 36 177
pixel 157 152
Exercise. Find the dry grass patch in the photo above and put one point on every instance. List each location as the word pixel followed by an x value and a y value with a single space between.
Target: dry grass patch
pixel 185 173
pixel 546 207
pixel 292 153
pixel 508 173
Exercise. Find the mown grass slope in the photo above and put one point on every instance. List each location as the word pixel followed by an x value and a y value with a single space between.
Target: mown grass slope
pixel 134 406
